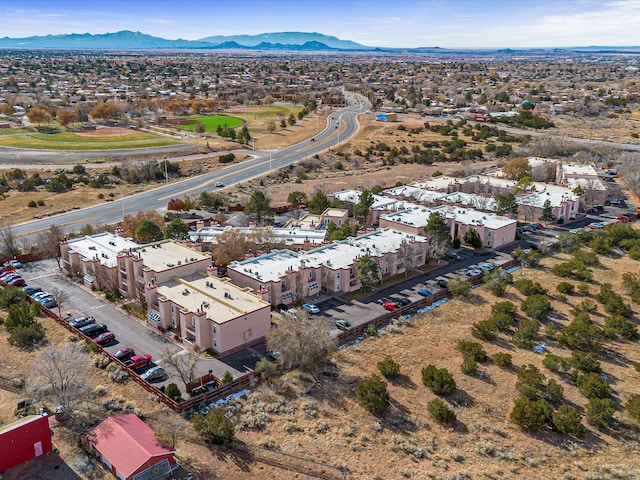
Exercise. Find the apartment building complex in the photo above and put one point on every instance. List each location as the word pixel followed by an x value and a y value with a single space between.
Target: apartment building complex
pixel 286 277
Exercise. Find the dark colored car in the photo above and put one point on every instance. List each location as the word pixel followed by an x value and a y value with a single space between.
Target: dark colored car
pixel 455 256
pixel 31 290
pixel 404 301
pixel 442 283
pixel 105 338
pixel 94 329
pixel 124 354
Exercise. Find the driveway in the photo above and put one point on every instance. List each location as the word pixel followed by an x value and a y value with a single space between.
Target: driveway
pixel 129 332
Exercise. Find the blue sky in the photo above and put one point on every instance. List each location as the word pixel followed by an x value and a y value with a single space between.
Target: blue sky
pixel 389 23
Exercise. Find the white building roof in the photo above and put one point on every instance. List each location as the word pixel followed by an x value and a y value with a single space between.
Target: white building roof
pixel 168 254
pixel 103 246
pixel 579 170
pixel 288 236
pixel 220 299
pixel 468 216
pixel 415 193
pixel 273 266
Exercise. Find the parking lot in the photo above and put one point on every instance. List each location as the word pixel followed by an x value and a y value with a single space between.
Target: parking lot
pixel 128 331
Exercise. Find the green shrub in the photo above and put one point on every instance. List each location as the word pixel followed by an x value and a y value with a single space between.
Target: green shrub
pixel 506 307
pixel 439 380
pixel 591 385
pixel 556 363
pixel 565 288
pixel 529 287
pixel 173 392
pixel 586 362
pixel 566 420
pixel 633 406
pixel 527 333
pixel 41 203
pixel 389 368
pixel 373 395
pixel 530 415
pixel 536 306
pixel 32 204
pixel 600 412
pixel 214 427
pixel 440 412
pixel 581 334
pixel 502 359
pixel 472 350
pixel 469 366
pixel 485 330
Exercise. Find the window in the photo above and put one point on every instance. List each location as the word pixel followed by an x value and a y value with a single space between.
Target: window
pixel 215 342
pixel 310 274
pixel 338 275
pixel 214 329
pixel 489 233
pixel 488 243
pixel 193 321
pixel 172 308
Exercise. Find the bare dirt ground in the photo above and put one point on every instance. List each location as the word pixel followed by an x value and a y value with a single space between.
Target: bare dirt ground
pixel 107 132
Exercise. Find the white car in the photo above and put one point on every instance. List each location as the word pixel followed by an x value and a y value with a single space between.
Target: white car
pixel 310 308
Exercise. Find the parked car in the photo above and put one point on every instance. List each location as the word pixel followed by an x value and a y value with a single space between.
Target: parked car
pixel 5 277
pixel 153 374
pixel 31 290
pixel 595 225
pixel 48 303
pixel 404 301
pixel 343 325
pixel 472 272
pixel 391 306
pixel 442 283
pixel 94 329
pixel 487 266
pixel 124 354
pixel 82 322
pixel 17 281
pixel 16 264
pixel 424 292
pixel 310 308
pixel 138 361
pixel 455 256
pixel 105 338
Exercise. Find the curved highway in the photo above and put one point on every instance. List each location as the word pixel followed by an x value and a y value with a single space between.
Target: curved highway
pixel 341 125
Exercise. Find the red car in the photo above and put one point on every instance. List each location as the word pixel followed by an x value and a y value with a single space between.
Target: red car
pixel 391 306
pixel 138 361
pixel 124 354
pixel 104 338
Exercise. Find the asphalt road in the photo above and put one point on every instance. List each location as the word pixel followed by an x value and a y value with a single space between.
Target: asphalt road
pixel 262 163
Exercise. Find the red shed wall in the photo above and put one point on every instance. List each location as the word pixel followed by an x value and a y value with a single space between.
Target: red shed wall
pixel 18 445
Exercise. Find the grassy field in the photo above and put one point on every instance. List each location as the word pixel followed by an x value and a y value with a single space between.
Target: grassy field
pixel 73 141
pixel 212 123
pixel 257 118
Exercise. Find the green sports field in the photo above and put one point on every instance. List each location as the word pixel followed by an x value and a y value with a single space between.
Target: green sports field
pixel 212 123
pixel 72 141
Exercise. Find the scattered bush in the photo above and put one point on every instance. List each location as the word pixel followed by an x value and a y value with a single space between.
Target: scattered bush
pixel 556 363
pixel 528 287
pixel 440 412
pixel 633 406
pixel 173 392
pixel 502 360
pixel 567 420
pixel 32 204
pixel 101 361
pixel 485 330
pixel 214 427
pixel 536 306
pixel 600 412
pixel 439 380
pixel 469 366
pixel 388 368
pixel 565 288
pixel 527 333
pixel 586 362
pixel 591 385
pixel 472 350
pixel 530 415
pixel 373 395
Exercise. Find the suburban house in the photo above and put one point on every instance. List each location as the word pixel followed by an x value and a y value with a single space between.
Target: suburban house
pixel 127 447
pixel 24 439
pixel 286 277
pixel 208 312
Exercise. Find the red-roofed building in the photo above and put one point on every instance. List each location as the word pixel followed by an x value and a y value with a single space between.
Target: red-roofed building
pixel 127 446
pixel 23 440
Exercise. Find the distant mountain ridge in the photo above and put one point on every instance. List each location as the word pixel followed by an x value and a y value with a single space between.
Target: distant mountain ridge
pixel 276 41
pixel 139 41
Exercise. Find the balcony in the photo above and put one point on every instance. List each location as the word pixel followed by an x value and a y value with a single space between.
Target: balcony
pixel 191 329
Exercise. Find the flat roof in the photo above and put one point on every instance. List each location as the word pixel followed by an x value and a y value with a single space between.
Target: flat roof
pixel 288 236
pixel 415 193
pixel 418 217
pixel 219 298
pixel 103 246
pixel 273 266
pixel 334 212
pixel 164 255
pixel 578 169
